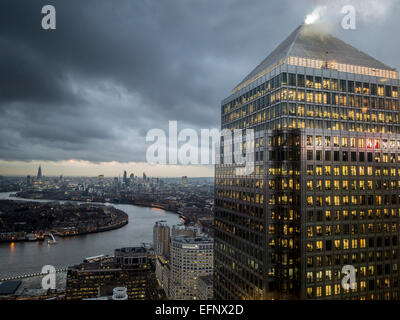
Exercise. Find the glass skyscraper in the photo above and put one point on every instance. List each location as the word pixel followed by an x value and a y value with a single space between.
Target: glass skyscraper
pixel 324 192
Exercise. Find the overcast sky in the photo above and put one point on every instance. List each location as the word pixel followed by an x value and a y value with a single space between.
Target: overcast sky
pixel 80 99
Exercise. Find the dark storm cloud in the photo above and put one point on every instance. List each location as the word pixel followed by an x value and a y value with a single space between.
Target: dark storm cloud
pixel 112 70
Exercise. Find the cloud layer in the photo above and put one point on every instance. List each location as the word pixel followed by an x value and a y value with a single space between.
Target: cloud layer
pixel 112 70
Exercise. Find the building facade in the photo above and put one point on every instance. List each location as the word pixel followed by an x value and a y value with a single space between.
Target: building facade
pixel 163 273
pixel 206 289
pixel 181 229
pixel 324 192
pixel 161 238
pixel 132 268
pixel 191 258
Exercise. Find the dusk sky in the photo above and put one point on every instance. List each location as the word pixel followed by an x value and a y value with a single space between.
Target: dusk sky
pixel 80 99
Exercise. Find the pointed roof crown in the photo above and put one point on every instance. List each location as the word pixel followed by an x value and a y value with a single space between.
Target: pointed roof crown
pixel 309 42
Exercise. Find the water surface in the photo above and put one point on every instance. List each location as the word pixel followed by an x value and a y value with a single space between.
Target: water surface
pixel 28 257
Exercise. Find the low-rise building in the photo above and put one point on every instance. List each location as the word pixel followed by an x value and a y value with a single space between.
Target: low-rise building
pixel 132 268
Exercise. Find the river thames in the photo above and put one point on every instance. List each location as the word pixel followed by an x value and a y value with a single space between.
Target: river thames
pixel 30 257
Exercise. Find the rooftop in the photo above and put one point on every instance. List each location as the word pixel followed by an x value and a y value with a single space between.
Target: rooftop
pixel 190 240
pixel 311 43
pixel 131 250
pixel 9 287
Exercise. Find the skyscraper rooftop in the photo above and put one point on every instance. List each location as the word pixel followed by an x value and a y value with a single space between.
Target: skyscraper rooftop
pixel 309 45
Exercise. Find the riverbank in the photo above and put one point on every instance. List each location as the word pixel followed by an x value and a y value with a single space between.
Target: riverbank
pixel 101 229
pixel 20 220
pixel 30 256
pixel 110 201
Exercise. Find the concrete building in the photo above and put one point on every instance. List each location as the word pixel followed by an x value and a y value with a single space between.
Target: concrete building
pixel 324 190
pixel 39 173
pixel 181 229
pixel 191 258
pixel 161 238
pixel 205 288
pixel 163 273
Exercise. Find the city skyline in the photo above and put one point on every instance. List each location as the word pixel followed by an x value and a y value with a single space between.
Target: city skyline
pixel 88 112
pixel 110 169
pixel 200 150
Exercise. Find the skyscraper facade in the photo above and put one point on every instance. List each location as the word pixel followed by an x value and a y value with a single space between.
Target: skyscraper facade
pixel 125 178
pixel 324 192
pixel 161 238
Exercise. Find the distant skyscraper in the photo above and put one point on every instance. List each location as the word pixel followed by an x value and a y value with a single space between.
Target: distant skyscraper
pixel 125 180
pixel 325 188
pixel 163 273
pixel 116 182
pixel 205 288
pixel 39 173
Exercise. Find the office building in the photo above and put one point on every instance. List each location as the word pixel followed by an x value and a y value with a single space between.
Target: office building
pixel 324 191
pixel 161 238
pixel 187 230
pixel 191 258
pixel 163 273
pixel 132 268
pixel 205 288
